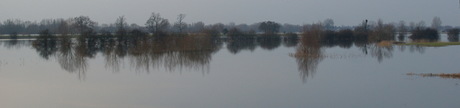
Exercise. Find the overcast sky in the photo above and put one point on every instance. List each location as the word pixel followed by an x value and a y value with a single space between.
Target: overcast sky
pixel 343 12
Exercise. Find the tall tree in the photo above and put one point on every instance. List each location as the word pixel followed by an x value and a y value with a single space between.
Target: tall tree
pixel 84 25
pixel 420 25
pixel 402 29
pixel 180 24
pixel 156 24
pixel 196 27
pixel 269 27
pixel 218 26
pixel 63 28
pixel 436 23
pixel 121 25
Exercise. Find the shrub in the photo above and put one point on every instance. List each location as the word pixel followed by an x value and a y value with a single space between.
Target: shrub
pixel 425 34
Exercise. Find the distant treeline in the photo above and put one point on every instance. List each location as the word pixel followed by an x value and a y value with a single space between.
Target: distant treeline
pixel 158 26
pixel 154 23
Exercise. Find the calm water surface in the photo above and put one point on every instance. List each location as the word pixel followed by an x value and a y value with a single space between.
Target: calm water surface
pixel 226 74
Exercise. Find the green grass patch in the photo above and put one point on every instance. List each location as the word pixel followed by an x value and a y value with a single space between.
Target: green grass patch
pixel 433 44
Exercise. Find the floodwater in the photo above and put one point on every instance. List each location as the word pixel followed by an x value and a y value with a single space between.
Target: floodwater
pixel 266 73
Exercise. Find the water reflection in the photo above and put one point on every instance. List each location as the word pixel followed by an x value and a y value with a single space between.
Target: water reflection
pixel 381 50
pixel 291 41
pixel 269 42
pixel 237 44
pixel 173 53
pixel 308 55
pixel 170 53
pixel 14 43
pixel 144 54
pixel 72 59
pixel 177 53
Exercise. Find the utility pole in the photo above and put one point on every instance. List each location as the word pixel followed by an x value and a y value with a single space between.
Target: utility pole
pixel 365 25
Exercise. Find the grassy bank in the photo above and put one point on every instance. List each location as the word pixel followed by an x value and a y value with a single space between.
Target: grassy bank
pixel 432 44
pixel 442 75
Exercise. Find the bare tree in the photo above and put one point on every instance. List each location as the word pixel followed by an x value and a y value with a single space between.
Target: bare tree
pixel 121 25
pixel 84 25
pixel 382 31
pixel 402 29
pixel 218 26
pixel 180 24
pixel 436 23
pixel 63 28
pixel 196 27
pixel 412 26
pixel 420 25
pixel 156 24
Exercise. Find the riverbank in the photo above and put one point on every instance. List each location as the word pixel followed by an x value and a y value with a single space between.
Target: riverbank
pixel 432 44
pixel 442 75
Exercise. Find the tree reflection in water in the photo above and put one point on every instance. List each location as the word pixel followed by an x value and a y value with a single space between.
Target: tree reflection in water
pixel 291 40
pixel 237 44
pixel 269 42
pixel 15 44
pixel 73 59
pixel 173 53
pixel 177 53
pixel 309 53
pixel 381 50
pixel 144 54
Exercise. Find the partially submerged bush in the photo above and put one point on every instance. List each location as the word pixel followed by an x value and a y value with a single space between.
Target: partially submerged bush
pixel 453 32
pixel 453 35
pixel 425 34
pixel 382 32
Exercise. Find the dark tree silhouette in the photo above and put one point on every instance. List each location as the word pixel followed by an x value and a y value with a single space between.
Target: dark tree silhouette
pixel 382 32
pixel 453 35
pixel 13 27
pixel 45 44
pixel 180 24
pixel 63 28
pixel 157 25
pixel 84 25
pixel 269 42
pixel 402 29
pixel 269 27
pixel 425 34
pixel 121 26
pixel 235 33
